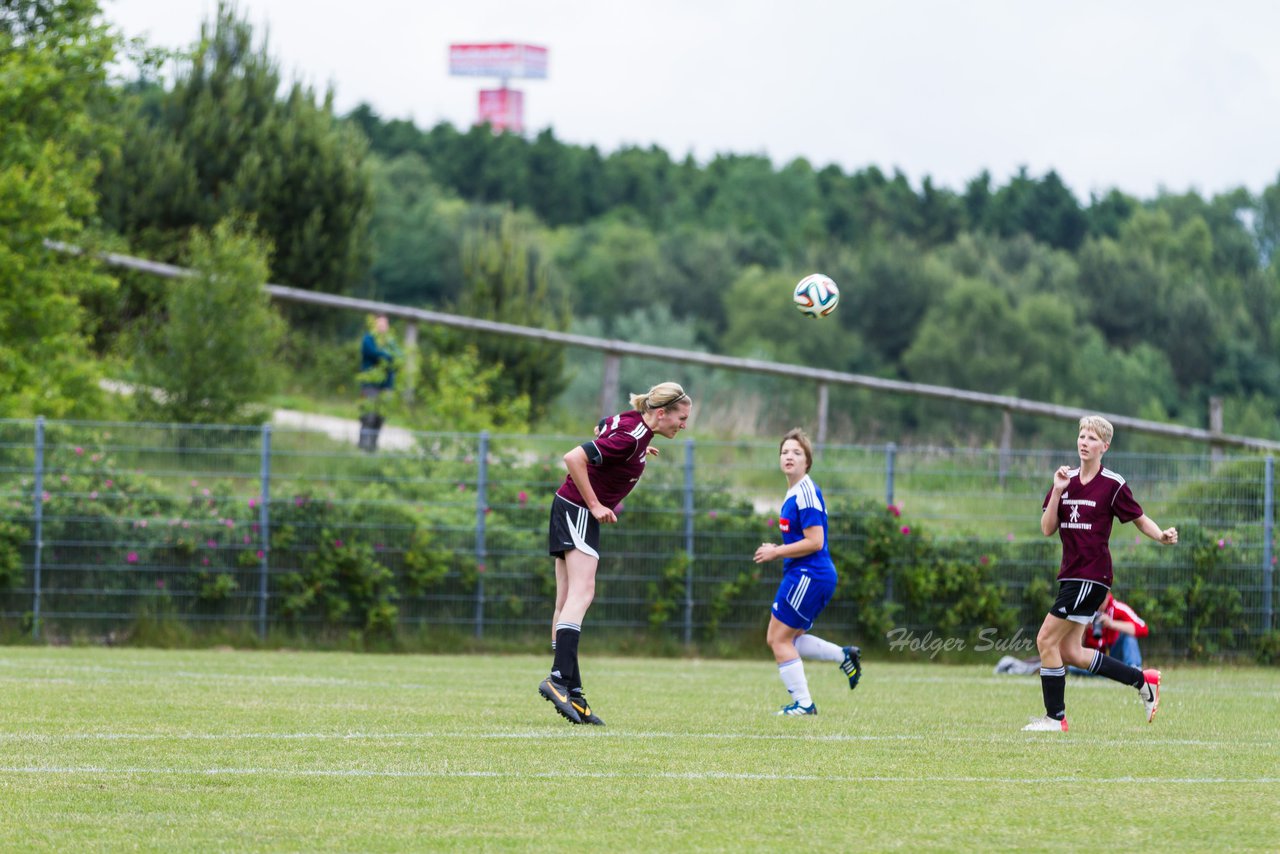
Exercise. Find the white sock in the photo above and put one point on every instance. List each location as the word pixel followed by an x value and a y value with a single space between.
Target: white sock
pixel 816 648
pixel 792 673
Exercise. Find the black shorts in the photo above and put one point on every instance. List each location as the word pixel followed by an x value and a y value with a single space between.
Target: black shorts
pixel 1078 600
pixel 572 527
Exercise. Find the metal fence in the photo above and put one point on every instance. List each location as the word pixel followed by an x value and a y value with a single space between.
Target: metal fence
pixel 267 531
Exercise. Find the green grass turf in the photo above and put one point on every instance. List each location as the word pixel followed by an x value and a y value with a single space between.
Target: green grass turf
pixel 106 749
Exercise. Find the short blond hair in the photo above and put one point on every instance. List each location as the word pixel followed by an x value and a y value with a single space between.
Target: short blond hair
pixel 1099 425
pixel 661 396
pixel 803 441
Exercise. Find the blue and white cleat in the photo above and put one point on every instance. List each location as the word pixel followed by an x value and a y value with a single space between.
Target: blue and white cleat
pixel 795 709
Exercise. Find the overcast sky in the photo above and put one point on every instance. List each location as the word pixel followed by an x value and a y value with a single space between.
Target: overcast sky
pixel 1135 94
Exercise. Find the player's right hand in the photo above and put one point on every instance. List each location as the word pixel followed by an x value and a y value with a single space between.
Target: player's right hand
pixel 1061 478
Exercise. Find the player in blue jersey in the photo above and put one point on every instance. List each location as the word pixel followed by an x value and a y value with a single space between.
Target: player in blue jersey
pixel 808 579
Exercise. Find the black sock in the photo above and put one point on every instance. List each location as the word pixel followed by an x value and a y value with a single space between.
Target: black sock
pixel 565 668
pixel 575 680
pixel 1053 684
pixel 1114 668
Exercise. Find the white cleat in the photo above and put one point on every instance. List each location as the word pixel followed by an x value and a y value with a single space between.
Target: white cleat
pixel 1045 723
pixel 1150 692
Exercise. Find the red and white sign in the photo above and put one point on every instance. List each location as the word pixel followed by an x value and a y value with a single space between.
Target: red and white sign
pixel 503 59
pixel 503 109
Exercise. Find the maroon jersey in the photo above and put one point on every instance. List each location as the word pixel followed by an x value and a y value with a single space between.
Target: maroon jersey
pixel 615 460
pixel 1084 523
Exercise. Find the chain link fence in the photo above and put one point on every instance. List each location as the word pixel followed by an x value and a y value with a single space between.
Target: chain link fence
pixel 109 529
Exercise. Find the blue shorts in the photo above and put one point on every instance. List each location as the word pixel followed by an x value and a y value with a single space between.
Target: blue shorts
pixel 801 598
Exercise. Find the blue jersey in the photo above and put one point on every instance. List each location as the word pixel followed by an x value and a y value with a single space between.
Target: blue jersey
pixel 804 508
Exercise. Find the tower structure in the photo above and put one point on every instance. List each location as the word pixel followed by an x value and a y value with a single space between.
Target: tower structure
pixel 502 108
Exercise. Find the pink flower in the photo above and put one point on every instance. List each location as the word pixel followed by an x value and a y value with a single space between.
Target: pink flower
pixel 204 562
pixel 205 492
pixel 906 529
pixel 109 483
pixel 984 560
pixel 93 494
pixel 1009 537
pixel 711 514
pixel 142 523
pixel 253 502
pixel 194 484
pixel 893 508
pixel 131 557
pixel 230 523
pixel 213 544
pixel 1222 543
pixel 44 496
pixel 462 487
pixel 159 583
pixel 337 544
pixel 260 554
pixel 297 501
pixel 65 478
pixel 771 521
pixel 79 451
pixel 523 498
pixel 246 539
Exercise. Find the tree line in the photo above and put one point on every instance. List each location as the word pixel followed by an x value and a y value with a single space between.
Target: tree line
pixel 1145 307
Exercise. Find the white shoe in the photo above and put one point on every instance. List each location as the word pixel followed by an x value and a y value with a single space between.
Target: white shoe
pixel 1150 692
pixel 1044 723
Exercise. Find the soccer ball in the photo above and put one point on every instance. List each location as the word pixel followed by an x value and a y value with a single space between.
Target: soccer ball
pixel 816 296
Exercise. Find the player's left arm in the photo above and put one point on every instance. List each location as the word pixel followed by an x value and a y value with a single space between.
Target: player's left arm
pixel 813 541
pixel 1148 526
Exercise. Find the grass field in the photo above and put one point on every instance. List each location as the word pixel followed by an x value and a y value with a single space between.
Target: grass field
pixel 105 749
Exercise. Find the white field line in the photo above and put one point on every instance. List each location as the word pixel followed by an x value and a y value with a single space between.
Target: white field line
pixel 1169 693
pixel 66 770
pixel 151 677
pixel 536 735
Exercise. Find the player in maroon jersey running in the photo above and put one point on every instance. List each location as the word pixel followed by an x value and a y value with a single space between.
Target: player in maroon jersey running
pixel 1080 507
pixel 602 472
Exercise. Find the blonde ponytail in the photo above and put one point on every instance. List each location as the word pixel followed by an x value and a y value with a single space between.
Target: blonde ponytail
pixel 661 396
